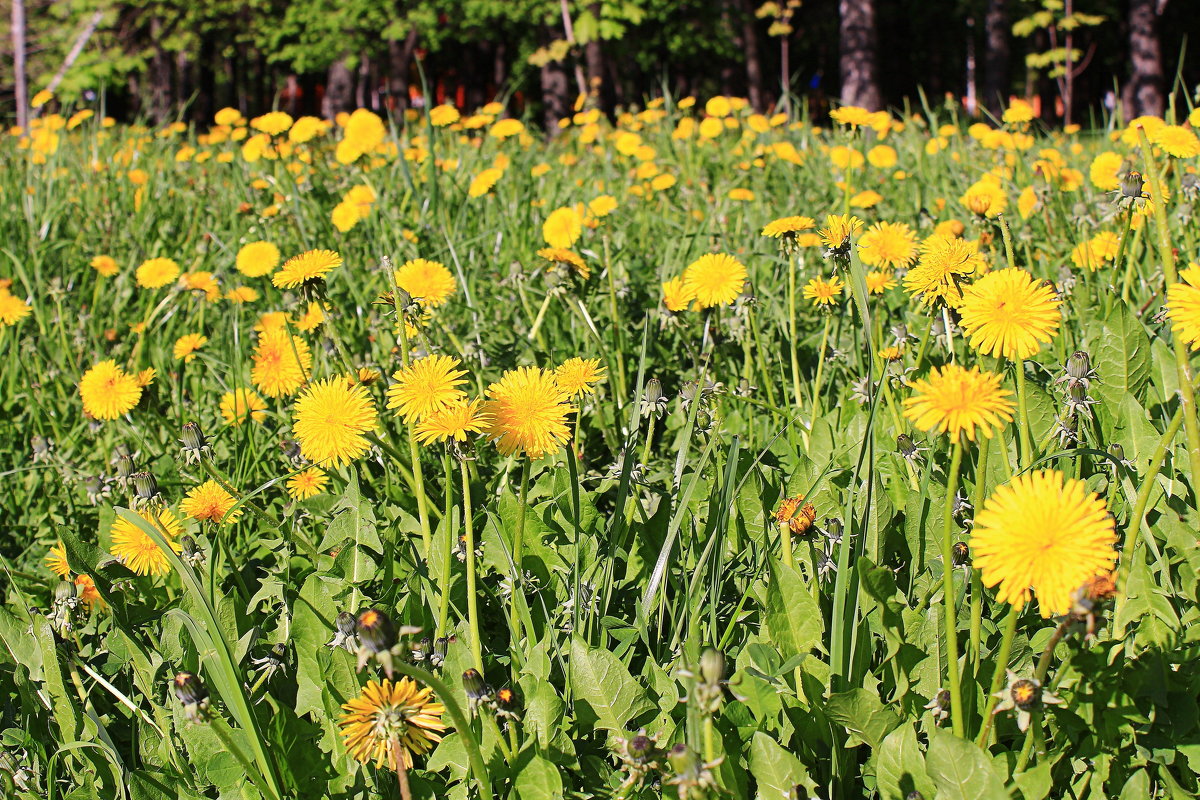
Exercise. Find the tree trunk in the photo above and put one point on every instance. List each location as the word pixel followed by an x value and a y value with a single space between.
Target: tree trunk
pixel 1144 92
pixel 997 55
pixel 399 57
pixel 859 54
pixel 160 75
pixel 556 94
pixel 750 44
pixel 339 90
pixel 20 77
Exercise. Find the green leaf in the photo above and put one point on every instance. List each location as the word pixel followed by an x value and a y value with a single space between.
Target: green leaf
pixel 1121 355
pixel 863 715
pixel 961 771
pixel 539 779
pixel 1035 783
pixel 794 620
pixel 776 771
pixel 1137 787
pixel 604 688
pixel 900 766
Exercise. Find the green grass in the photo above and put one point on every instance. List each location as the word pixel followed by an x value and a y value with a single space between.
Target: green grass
pixel 647 541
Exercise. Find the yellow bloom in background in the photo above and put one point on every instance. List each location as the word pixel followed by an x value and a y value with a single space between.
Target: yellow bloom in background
pixel 942 271
pixel 1183 306
pixel 255 259
pixel 154 273
pixel 364 131
pixel 454 422
pixel 308 483
pixel 602 206
pixel 272 123
pixel 56 560
pixel 824 292
pixel 202 281
pixel 563 227
pixel 787 226
pixel 428 280
pixel 528 412
pixel 306 129
pixel 852 116
pixel 838 230
pixel 959 401
pixel 444 115
pixel 426 386
pixel 882 156
pixel 1105 171
pixel 1105 244
pixel 390 711
pixel 482 183
pixel 714 279
pixel 1008 314
pixel 242 404
pixel 845 158
pixel 88 593
pixel 345 216
pixel 209 501
pixel 105 265
pixel 134 548
pixel 741 195
pixel 309 266
pixel 561 257
pixel 579 376
pixel 888 244
pixel 718 106
pixel 879 282
pixel 331 420
pixel 270 321
pixel 867 199
pixel 281 363
pixel 676 295
pixel 146 377
pixel 108 391
pixel 1020 111
pixel 187 345
pixel 1086 255
pixel 1045 533
pixel 506 128
pixel 1177 141
pixel 985 197
pixel 12 308
pixel 312 317
pixel 41 98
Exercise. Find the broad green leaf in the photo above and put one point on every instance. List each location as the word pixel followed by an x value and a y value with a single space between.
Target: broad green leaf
pixel 538 779
pixel 1137 787
pixel 863 715
pixel 900 766
pixel 1035 783
pixel 960 770
pixel 776 771
pixel 604 687
pixel 1121 357
pixel 794 619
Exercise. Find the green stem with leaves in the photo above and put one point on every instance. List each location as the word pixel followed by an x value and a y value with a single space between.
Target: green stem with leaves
pixel 949 615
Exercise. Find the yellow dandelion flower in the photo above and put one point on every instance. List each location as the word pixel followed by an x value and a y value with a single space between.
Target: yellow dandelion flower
pixel 387 713
pixel 105 265
pixel 428 280
pixel 12 309
pixel 879 282
pixel 1105 245
pixel 56 560
pixel 309 266
pixel 1045 533
pixel 1105 171
pixel 331 420
pixel 255 259
pixel 943 269
pixel 426 386
pixel 281 363
pixel 714 279
pixel 985 198
pixel 796 515
pixel 312 317
pixel 824 292
pixel 888 244
pixel 483 183
pixel 1183 306
pixel 108 391
pixel 241 294
pixel 838 230
pixel 88 593
pixel 443 115
pixel 1177 141
pixel 272 123
pixel 308 483
pixel 134 548
pixel 956 401
pixel 579 376
pixel 242 404
pixel 676 295
pixel 455 422
pixel 154 273
pixel 787 226
pixel 561 257
pixel 1008 314
pixel 528 412
pixel 209 501
pixel 187 345
pixel 563 227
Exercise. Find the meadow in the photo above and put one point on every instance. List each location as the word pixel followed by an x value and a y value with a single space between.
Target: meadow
pixel 697 453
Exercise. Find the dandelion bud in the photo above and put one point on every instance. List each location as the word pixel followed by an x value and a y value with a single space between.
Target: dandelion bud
pixel 41 447
pixel 833 529
pixel 506 703
pixel 1079 368
pixel 438 656
pixel 640 747
pixel 1025 695
pixel 914 795
pixel 145 489
pixel 347 629
pixel 421 650
pixel 712 666
pixel 191 551
pixel 907 447
pixel 654 403
pixel 1131 185
pixel 195 444
pixel 125 468
pixel 376 631
pixel 65 592
pixel 681 758
pixel 960 554
pixel 477 689
pixel 189 689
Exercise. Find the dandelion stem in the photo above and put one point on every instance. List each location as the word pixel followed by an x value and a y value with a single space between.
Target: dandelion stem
pixel 418 481
pixel 948 594
pixel 1121 254
pixel 816 400
pixel 1001 669
pixel 985 447
pixel 448 547
pixel 472 599
pixel 1039 677
pixel 793 265
pixel 1008 244
pixel 1023 417
pixel 518 537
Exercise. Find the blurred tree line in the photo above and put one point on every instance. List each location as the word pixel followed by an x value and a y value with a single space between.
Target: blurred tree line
pixel 167 59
